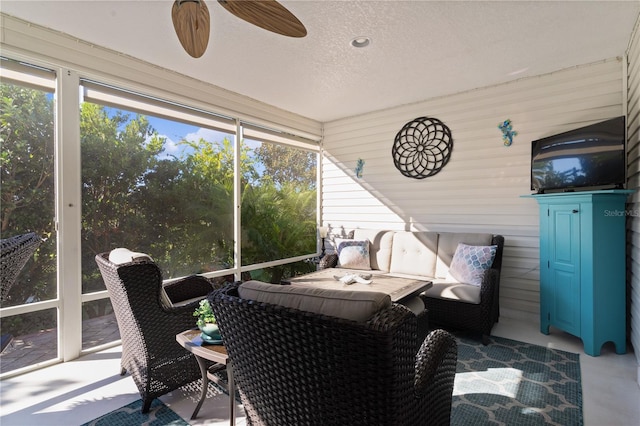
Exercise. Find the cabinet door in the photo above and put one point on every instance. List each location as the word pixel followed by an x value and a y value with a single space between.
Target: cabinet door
pixel 564 267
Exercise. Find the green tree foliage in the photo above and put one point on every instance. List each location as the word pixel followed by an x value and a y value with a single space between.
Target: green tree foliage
pixel 179 209
pixel 116 159
pixel 278 223
pixel 286 166
pixel 27 184
pixel 26 123
pixel 278 213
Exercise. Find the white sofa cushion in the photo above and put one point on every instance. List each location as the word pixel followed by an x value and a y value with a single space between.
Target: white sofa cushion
pixel 443 289
pixel 347 304
pixel 380 247
pixel 448 243
pixel 414 253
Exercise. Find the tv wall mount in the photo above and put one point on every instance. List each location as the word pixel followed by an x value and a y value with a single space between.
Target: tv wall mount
pixel 422 147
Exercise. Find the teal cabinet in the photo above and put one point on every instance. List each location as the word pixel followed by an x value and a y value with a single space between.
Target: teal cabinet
pixel 582 266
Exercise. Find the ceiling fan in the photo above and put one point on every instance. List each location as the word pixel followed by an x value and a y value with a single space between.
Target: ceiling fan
pixel 192 23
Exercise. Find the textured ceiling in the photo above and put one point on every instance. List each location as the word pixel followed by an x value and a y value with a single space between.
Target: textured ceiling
pixel 419 50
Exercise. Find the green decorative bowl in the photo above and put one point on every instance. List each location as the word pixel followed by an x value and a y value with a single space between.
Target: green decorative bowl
pixel 210 334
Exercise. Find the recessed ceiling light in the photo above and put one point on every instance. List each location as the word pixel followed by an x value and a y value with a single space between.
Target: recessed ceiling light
pixel 361 41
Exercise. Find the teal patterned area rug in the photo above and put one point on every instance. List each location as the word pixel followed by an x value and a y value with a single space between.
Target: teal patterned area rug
pixel 513 383
pixel 504 383
pixel 130 415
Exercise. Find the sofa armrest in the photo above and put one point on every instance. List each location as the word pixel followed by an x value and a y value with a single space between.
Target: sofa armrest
pixel 436 362
pixel 328 261
pixel 490 285
pixel 498 240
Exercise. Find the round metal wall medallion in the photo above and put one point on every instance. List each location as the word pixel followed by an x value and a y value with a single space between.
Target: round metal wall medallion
pixel 422 147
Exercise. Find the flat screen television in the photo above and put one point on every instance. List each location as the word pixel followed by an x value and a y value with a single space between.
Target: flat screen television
pixel 588 158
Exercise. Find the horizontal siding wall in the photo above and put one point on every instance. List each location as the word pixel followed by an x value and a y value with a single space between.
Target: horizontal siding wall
pixel 633 174
pixel 480 189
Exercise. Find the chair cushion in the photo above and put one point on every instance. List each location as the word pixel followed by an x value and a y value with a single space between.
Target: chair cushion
pixel 347 304
pixel 120 256
pixel 353 254
pixel 470 262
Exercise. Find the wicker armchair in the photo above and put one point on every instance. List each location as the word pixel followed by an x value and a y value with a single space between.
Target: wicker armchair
pixel 148 327
pixel 14 254
pixel 455 314
pixel 300 368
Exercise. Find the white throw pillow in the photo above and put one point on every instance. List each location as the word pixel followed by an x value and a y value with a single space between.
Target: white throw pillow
pixel 333 239
pixel 470 262
pixel 353 254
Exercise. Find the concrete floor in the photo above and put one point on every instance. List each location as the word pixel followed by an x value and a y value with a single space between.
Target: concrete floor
pixel 75 392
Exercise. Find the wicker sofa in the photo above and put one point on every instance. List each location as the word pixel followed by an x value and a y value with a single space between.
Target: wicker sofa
pixel 360 365
pixel 452 302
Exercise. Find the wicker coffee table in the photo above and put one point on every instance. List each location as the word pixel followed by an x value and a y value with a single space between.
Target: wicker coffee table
pixel 191 341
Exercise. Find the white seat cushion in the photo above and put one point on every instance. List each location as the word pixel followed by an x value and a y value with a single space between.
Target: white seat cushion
pixel 415 304
pixel 454 291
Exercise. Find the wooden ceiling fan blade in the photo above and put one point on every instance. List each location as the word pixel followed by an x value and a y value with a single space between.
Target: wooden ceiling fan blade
pixel 192 24
pixel 267 14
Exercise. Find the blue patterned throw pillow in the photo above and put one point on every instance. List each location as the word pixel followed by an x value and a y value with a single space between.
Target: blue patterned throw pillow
pixel 470 262
pixel 353 254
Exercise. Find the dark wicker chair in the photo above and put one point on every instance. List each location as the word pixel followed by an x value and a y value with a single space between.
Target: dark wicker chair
pixel 480 318
pixel 300 368
pixel 14 254
pixel 148 328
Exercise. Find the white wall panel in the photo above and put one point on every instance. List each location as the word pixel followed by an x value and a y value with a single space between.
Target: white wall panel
pixel 480 188
pixel 633 207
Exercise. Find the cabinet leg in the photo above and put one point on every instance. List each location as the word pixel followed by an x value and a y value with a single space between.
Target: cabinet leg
pixel 590 346
pixel 621 346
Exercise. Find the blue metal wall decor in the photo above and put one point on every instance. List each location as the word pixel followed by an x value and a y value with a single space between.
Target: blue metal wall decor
pixel 359 167
pixel 422 147
pixel 507 132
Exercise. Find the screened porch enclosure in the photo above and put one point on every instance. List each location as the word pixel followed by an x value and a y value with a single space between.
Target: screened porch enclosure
pixel 200 192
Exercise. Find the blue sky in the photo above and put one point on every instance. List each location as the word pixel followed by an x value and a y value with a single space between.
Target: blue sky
pixel 176 131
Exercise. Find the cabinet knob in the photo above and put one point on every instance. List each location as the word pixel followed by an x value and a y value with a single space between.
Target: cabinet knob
pixel 575 211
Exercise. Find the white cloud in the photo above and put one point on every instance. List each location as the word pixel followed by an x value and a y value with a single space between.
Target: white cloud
pixel 170 147
pixel 208 135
